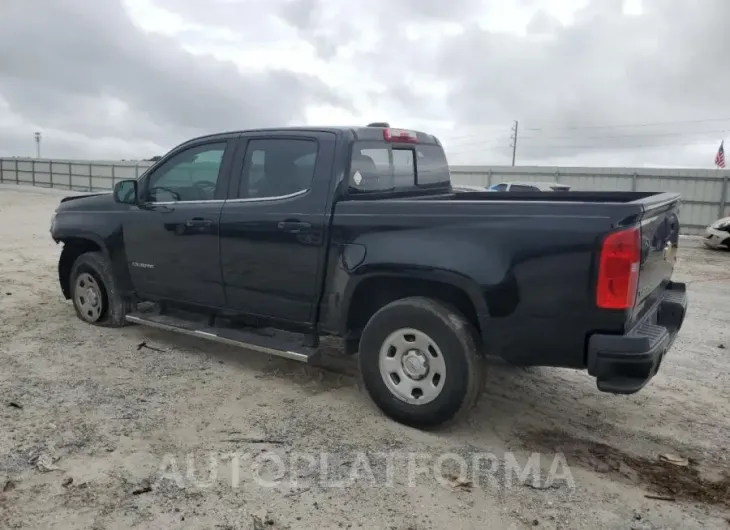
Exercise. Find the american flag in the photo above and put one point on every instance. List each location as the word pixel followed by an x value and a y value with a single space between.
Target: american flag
pixel 720 156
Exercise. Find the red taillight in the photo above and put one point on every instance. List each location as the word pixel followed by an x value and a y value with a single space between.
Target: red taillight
pixel 399 135
pixel 618 270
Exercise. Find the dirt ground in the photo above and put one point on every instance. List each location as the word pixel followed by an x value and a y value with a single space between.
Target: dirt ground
pixel 99 432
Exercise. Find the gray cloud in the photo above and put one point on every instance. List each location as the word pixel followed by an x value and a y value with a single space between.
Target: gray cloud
pixel 606 68
pixel 62 64
pixel 571 86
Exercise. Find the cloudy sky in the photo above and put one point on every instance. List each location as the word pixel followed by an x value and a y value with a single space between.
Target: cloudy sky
pixel 592 82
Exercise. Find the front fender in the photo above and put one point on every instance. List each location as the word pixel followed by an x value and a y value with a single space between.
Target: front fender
pixel 67 234
pixel 73 226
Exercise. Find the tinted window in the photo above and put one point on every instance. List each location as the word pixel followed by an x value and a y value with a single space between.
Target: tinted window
pixel 373 169
pixel 191 175
pixel 277 167
pixel 520 187
pixel 404 167
pixel 432 165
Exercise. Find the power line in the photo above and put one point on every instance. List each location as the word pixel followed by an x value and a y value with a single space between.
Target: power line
pixel 616 126
pixel 470 136
pixel 479 139
pixel 532 139
pixel 548 137
pixel 595 147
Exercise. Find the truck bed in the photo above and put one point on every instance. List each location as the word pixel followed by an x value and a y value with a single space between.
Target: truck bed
pixel 572 196
pixel 533 257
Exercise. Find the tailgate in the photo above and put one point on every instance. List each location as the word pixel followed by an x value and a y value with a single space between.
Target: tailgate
pixel 659 240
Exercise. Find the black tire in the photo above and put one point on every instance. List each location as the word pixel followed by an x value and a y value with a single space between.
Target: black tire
pixel 454 337
pixel 114 307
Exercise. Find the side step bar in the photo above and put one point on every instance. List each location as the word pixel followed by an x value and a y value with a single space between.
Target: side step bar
pixel 231 336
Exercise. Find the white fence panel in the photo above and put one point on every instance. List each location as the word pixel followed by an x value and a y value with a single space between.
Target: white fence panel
pixel 705 193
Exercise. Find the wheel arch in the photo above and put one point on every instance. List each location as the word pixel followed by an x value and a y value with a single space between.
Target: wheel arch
pixel 73 247
pixel 374 290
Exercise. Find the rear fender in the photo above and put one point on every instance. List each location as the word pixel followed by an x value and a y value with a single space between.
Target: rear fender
pixel 463 283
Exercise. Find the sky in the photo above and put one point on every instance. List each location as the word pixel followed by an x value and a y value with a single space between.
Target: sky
pixel 590 82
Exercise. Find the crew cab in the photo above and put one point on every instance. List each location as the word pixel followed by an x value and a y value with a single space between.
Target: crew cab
pixel 271 239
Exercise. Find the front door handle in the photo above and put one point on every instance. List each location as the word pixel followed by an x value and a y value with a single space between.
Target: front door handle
pixel 198 221
pixel 293 227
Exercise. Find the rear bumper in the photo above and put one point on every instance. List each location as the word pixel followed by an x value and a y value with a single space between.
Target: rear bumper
pixel 624 364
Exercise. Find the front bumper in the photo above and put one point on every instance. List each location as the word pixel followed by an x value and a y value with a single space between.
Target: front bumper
pixel 624 364
pixel 715 238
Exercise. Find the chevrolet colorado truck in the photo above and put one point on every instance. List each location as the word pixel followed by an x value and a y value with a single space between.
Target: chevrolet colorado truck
pixel 272 239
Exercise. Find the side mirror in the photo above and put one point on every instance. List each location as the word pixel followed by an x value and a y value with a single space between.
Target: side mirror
pixel 125 192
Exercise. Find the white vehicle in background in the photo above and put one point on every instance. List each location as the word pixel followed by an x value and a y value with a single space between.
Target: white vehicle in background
pixel 717 235
pixel 529 186
pixel 466 188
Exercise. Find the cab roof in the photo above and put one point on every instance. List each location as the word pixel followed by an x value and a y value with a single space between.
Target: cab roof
pixel 373 132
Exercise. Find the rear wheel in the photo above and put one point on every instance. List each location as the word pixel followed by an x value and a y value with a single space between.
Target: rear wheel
pixel 419 362
pixel 94 293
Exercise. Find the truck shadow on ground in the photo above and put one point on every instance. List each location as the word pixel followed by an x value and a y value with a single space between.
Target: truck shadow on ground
pixel 528 409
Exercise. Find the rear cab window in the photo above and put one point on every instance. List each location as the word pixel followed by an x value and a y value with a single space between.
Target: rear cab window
pixel 379 166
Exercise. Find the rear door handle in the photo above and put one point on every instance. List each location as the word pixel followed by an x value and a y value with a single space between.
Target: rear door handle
pixel 293 227
pixel 198 221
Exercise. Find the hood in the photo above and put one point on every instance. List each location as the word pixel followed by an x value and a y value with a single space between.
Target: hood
pixel 90 201
pixel 721 222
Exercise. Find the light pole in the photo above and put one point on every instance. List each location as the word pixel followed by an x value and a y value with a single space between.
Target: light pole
pixel 37 137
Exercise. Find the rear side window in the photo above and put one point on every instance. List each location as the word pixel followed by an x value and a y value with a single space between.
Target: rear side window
pixel 378 166
pixel 276 167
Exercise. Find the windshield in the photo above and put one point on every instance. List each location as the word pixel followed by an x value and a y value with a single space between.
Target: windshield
pixel 380 166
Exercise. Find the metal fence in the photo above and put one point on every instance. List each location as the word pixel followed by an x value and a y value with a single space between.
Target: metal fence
pixel 75 175
pixel 705 193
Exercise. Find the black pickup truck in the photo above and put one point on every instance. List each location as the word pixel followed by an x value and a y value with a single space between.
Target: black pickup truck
pixel 271 239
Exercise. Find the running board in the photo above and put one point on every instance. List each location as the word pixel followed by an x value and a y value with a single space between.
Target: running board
pixel 231 336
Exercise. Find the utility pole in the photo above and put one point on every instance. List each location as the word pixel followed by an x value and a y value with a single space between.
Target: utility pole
pixel 37 137
pixel 513 145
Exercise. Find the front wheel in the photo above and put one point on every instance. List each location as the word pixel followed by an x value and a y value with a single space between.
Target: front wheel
pixel 94 293
pixel 419 362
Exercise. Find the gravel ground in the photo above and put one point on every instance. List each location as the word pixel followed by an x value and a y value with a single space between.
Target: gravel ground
pixel 100 432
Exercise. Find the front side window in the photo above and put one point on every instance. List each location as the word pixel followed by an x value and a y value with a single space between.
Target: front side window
pixel 277 167
pixel 191 175
pixel 499 187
